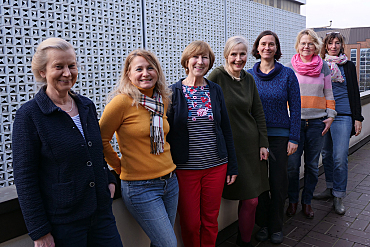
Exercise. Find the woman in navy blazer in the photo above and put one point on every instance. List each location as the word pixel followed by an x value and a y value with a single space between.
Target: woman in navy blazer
pixel 64 187
pixel 201 146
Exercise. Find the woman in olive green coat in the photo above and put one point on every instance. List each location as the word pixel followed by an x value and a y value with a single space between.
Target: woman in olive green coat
pixel 249 133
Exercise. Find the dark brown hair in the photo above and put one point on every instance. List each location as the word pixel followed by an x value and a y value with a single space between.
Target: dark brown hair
pixel 330 37
pixel 255 53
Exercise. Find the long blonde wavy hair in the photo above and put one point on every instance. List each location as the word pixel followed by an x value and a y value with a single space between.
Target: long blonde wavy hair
pixel 124 86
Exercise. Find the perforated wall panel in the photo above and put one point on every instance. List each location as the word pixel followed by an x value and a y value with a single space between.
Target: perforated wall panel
pixel 249 19
pixel 103 32
pixel 173 24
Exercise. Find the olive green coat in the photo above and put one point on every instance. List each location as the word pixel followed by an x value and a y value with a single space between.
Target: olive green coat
pixel 249 133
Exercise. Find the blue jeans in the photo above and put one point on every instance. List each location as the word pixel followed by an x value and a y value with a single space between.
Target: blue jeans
pixel 335 155
pixel 98 230
pixel 153 204
pixel 311 142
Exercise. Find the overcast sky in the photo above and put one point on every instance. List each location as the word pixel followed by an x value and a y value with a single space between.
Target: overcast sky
pixel 343 13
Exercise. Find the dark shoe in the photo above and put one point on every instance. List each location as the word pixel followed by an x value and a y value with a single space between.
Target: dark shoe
pixel 277 238
pixel 245 244
pixel 307 211
pixel 292 209
pixel 326 194
pixel 262 234
pixel 339 208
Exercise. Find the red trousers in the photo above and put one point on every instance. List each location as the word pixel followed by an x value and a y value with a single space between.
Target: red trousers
pixel 200 194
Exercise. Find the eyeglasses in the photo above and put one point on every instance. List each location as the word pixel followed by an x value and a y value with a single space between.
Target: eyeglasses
pixel 304 44
pixel 332 32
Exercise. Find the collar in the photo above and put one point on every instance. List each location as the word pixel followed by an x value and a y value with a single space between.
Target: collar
pixel 47 106
pixel 271 75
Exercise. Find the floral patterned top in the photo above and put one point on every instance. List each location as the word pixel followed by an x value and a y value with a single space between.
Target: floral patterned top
pixel 199 102
pixel 203 152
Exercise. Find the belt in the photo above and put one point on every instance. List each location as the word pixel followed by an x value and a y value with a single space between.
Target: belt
pixel 165 177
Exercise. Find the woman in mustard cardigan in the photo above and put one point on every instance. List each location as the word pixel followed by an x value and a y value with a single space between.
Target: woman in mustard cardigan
pixel 137 114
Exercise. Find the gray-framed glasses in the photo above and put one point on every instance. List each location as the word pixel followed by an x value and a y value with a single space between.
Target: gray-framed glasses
pixel 304 44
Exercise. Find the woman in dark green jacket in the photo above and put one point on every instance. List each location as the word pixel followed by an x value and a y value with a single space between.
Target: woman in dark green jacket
pixel 249 133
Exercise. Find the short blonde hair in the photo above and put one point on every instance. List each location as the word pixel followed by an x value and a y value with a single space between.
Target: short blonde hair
pixel 124 85
pixel 315 38
pixel 196 48
pixel 232 42
pixel 40 58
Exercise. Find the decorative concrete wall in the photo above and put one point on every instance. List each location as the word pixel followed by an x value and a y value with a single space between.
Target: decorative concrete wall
pixel 103 32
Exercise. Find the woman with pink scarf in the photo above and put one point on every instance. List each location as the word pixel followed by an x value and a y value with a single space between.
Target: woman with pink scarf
pixel 317 114
pixel 347 123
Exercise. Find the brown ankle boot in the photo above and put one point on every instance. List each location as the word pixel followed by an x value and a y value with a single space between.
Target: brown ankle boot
pixel 307 211
pixel 292 209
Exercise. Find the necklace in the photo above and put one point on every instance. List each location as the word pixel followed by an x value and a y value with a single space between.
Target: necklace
pixel 71 107
pixel 233 77
pixel 185 82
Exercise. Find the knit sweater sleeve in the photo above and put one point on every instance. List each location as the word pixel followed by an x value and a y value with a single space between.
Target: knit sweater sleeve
pixel 294 101
pixel 110 121
pixel 328 91
pixel 26 146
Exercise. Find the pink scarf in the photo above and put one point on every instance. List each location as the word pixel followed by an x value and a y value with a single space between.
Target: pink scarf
pixel 333 61
pixel 312 68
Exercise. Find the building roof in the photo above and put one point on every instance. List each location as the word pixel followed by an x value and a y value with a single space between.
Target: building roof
pixel 299 1
pixel 351 35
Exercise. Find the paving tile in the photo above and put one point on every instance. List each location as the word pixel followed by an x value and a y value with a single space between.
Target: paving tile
pixel 356 239
pixel 367 208
pixel 315 242
pixel 322 237
pixel 360 225
pixel 343 243
pixel 298 233
pixel 353 212
pixel 227 244
pixel 288 228
pixel 323 227
pixel 364 217
pixel 300 244
pixel 354 205
pixel 338 219
pixel 336 231
pixel 288 242
pixel 358 245
pixel 352 196
pixel 301 224
pixel 358 233
pixel 362 189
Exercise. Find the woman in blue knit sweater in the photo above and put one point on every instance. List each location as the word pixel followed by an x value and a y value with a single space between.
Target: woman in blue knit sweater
pixel 277 85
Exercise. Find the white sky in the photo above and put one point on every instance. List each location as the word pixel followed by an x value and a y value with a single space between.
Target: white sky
pixel 343 13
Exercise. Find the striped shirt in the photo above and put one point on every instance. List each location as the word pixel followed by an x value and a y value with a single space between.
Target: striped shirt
pixel 77 121
pixel 203 152
pixel 317 98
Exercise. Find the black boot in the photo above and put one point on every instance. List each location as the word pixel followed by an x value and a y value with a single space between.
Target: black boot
pixel 240 242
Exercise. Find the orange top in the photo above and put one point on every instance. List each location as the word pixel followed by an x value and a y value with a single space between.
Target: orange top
pixel 131 125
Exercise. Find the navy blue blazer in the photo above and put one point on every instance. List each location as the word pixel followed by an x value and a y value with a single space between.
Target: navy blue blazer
pixel 60 176
pixel 178 137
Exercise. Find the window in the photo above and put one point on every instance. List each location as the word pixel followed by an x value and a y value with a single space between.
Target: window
pixel 364 77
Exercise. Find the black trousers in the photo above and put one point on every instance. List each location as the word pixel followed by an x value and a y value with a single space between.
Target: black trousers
pixel 270 209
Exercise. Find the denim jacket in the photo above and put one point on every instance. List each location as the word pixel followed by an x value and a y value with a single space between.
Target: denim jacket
pixel 178 137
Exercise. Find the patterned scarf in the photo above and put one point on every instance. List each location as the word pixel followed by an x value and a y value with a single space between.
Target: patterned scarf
pixel 155 107
pixel 312 68
pixel 333 61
